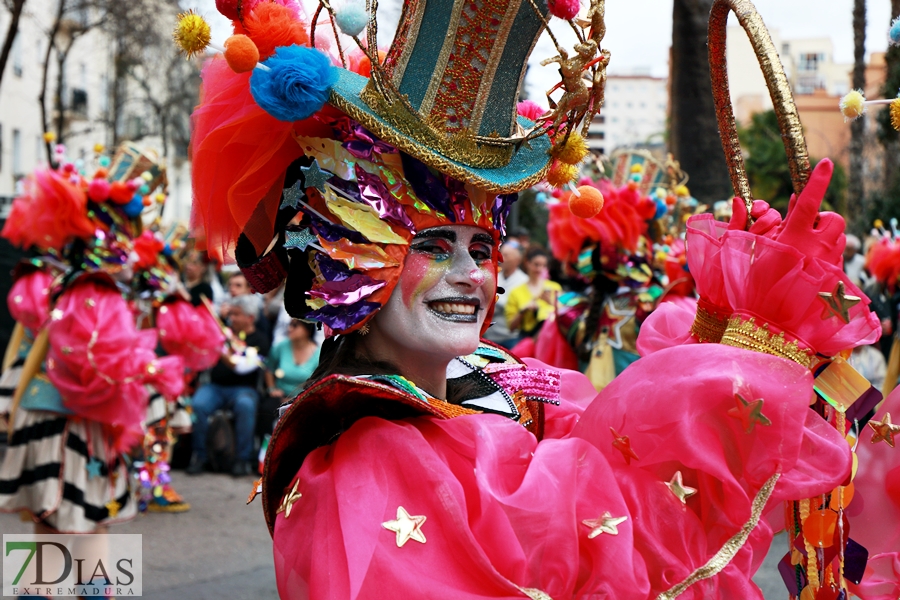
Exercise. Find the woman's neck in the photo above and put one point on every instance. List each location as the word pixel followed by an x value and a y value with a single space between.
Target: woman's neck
pixel 427 372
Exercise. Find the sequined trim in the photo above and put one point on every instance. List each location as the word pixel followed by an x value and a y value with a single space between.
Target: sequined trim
pixel 708 327
pixel 746 334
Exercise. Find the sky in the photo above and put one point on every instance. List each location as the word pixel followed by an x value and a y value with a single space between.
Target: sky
pixel 639 32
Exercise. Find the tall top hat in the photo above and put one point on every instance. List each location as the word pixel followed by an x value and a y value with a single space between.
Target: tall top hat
pixel 448 90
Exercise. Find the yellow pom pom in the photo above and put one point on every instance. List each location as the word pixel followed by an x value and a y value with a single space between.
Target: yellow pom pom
pixel 852 106
pixel 571 151
pixel 895 114
pixel 637 168
pixel 561 174
pixel 588 204
pixel 49 137
pixel 99 148
pixel 878 224
pixel 160 198
pixel 146 176
pixel 192 33
pixel 682 191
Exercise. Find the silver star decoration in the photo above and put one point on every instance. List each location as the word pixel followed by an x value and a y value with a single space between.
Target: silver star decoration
pixel 314 176
pixel 298 239
pixel 292 197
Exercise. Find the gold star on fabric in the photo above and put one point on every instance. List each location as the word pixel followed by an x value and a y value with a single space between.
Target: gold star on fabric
pixel 838 303
pixel 605 524
pixel 113 507
pixel 623 445
pixel 406 527
pixel 56 314
pixel 750 413
pixel 884 430
pixel 677 487
pixel 287 502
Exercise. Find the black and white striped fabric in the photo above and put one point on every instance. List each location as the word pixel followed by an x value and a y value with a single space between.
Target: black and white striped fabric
pixel 8 382
pixel 45 473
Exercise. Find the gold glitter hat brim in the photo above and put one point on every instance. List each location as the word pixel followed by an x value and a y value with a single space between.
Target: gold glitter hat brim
pixel 529 164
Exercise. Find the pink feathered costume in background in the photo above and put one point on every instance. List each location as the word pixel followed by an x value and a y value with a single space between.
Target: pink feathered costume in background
pixel 589 510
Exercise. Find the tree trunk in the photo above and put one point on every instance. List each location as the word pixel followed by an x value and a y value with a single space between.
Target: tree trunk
pixel 695 133
pixel 11 32
pixel 855 199
pixel 58 100
pixel 42 96
pixel 887 134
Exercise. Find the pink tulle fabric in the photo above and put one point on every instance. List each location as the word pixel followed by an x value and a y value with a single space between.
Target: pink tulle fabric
pixel 779 285
pixel 100 363
pixel 191 333
pixel 51 213
pixel 552 348
pixel 506 512
pixel 874 511
pixel 704 240
pixel 668 325
pixel 29 300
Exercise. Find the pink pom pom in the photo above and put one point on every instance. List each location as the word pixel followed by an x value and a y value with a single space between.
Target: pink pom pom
pixel 98 190
pixel 564 9
pixel 530 110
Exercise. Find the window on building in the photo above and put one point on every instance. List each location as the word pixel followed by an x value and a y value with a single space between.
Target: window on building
pixel 17 61
pixel 602 150
pixel 17 153
pixel 79 104
pixel 810 61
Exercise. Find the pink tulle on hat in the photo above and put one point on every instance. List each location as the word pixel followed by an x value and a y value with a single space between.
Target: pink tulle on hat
pixel 100 363
pixel 51 213
pixel 29 300
pixel 191 333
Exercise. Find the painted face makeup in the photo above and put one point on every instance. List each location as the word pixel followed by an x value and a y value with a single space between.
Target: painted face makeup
pixel 441 300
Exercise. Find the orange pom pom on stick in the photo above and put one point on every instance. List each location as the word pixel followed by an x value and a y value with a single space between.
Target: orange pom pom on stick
pixel 588 204
pixel 241 53
pixel 120 193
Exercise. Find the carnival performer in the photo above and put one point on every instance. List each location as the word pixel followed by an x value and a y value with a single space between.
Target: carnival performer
pixel 419 460
pixel 81 391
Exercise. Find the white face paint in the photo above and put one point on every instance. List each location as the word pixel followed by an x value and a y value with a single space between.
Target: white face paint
pixel 437 310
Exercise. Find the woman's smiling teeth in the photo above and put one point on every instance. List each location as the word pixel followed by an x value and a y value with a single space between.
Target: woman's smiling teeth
pixel 455 311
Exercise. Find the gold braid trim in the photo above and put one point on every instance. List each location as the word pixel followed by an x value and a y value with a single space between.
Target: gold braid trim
pixel 745 334
pixel 434 159
pixel 708 327
pixel 727 552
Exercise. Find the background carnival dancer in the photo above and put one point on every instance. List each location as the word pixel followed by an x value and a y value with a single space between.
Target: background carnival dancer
pixel 420 460
pixel 81 389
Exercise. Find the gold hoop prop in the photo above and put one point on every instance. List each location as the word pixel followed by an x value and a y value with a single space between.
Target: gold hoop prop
pixel 779 90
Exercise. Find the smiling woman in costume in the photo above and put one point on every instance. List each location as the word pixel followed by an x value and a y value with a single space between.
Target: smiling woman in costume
pixel 420 460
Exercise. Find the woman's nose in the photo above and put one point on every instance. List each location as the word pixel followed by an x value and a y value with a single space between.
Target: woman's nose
pixel 465 272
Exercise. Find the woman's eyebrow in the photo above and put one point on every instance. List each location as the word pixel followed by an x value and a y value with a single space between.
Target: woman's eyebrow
pixel 444 234
pixel 483 238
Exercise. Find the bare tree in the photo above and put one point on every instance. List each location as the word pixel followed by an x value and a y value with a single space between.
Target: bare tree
pixel 694 130
pixel 855 188
pixel 15 8
pixel 73 19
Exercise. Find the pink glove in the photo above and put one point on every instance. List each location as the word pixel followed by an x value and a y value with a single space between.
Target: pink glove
pixel 765 219
pixel 815 234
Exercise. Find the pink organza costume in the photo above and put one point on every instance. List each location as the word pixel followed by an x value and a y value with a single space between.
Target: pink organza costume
pixel 627 494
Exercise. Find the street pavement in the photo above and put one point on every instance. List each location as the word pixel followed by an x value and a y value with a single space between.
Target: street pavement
pixel 221 550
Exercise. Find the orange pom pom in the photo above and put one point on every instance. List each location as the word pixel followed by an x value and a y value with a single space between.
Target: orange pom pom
pixel 147 201
pixel 120 193
pixel 241 53
pixel 270 26
pixel 588 204
pixel 101 173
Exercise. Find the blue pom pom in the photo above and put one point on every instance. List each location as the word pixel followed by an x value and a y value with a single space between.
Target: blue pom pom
pixel 134 208
pixel 296 85
pixel 351 18
pixel 895 31
pixel 661 209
